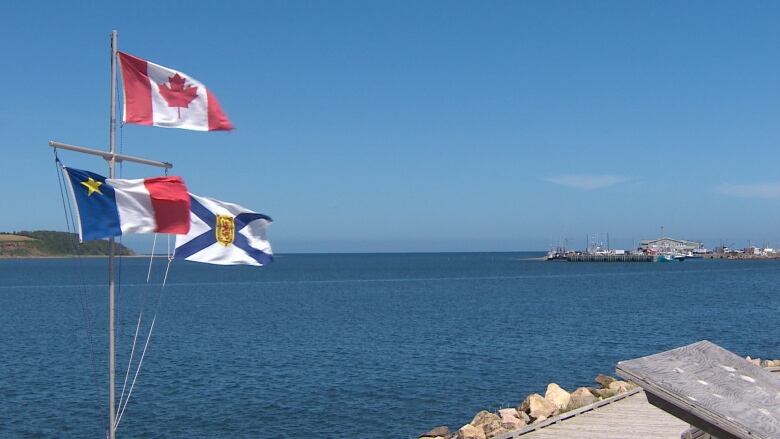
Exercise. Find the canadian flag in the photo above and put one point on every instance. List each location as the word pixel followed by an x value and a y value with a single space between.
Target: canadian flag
pixel 159 96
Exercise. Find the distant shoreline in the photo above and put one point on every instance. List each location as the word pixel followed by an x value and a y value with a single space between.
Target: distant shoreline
pixel 77 256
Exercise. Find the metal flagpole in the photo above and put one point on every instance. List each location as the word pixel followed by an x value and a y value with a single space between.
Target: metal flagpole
pixel 112 158
pixel 111 279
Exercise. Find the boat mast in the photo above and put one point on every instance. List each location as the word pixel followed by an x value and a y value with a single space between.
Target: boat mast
pixel 111 275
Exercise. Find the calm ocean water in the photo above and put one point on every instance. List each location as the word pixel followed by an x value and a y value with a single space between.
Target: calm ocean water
pixel 352 346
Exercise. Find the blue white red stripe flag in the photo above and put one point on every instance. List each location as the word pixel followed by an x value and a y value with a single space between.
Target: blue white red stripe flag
pixel 224 234
pixel 109 207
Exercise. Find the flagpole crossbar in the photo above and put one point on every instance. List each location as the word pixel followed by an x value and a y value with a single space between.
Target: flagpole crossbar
pixel 109 156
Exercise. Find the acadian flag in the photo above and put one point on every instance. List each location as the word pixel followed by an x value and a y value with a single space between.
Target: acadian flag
pixel 163 97
pixel 109 207
pixel 224 234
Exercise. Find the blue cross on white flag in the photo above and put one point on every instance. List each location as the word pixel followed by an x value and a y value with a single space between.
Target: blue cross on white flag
pixel 224 234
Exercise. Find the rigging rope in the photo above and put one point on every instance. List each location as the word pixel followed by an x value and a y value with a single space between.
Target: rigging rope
pixel 137 325
pixel 61 182
pixel 83 298
pixel 151 258
pixel 121 411
pixel 122 405
pixel 130 361
pixel 170 259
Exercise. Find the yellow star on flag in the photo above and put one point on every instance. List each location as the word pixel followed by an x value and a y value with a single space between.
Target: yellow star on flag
pixel 92 186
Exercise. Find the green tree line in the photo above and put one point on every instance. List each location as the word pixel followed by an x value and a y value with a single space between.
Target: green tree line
pixel 51 243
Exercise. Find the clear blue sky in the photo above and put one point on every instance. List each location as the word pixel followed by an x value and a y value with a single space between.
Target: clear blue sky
pixel 423 125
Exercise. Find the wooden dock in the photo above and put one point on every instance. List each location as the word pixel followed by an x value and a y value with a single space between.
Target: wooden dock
pixel 628 417
pixel 610 258
pixel 714 389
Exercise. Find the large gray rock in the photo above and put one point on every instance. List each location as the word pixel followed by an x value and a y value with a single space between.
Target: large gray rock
pixel 604 393
pixel 540 408
pixel 581 397
pixel 484 417
pixel 620 386
pixel 524 406
pixel 440 431
pixel 469 431
pixel 508 413
pixel 510 418
pixel 604 380
pixel 557 396
pixel 493 428
pixel 524 417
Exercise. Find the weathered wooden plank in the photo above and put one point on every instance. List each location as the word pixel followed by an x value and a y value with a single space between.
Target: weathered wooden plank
pixel 567 415
pixel 632 417
pixel 710 388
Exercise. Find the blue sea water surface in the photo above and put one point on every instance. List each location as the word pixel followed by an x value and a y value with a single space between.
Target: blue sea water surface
pixel 350 345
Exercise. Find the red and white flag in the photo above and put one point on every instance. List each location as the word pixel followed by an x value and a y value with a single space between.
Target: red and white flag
pixel 159 96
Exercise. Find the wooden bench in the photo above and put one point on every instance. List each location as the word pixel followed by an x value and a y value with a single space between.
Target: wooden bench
pixel 710 388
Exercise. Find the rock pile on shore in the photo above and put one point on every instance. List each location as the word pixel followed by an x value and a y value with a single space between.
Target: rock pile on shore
pixel 763 363
pixel 534 408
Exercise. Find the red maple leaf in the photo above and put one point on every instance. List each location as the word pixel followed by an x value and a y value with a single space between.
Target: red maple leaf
pixel 177 95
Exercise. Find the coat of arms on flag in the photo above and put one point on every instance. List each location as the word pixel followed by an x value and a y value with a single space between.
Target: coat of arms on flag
pixel 226 229
pixel 224 234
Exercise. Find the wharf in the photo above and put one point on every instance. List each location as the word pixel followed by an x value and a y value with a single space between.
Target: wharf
pixel 609 258
pixel 627 417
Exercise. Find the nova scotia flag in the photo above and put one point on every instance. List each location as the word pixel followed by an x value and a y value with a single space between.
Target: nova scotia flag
pixel 224 234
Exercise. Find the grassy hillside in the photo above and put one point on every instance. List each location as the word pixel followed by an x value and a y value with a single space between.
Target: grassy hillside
pixel 49 243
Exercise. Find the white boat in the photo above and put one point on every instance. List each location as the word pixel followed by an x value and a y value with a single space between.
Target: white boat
pixel 557 254
pixel 669 257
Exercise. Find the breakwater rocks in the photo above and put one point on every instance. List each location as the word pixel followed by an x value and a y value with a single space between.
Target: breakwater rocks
pixel 534 408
